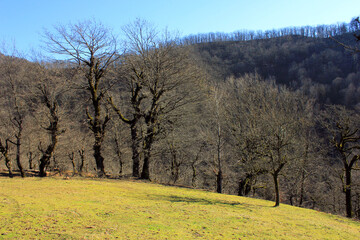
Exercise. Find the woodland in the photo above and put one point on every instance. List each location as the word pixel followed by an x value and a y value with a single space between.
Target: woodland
pixel 271 115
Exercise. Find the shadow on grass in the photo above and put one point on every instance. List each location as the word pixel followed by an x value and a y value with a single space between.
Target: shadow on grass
pixel 16 173
pixel 204 201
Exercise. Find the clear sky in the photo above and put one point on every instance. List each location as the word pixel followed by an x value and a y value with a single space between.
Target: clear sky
pixel 23 21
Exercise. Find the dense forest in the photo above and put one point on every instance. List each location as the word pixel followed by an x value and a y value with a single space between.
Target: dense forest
pixel 272 115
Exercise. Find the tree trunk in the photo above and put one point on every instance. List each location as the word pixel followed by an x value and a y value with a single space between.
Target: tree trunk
pixel 99 133
pixel 219 178
pixel 30 156
pixel 45 159
pixel 194 175
pixel 241 187
pixel 302 188
pixel 148 141
pixel 119 155
pixel 175 171
pixel 4 150
pixel 145 174
pixel 347 190
pixel 8 165
pixel 245 185
pixel 175 164
pixel 18 153
pixel 276 173
pixel 82 160
pixel 44 162
pixel 193 167
pixel 99 160
pixel 72 158
pixel 135 142
pixel 276 185
pixel 135 150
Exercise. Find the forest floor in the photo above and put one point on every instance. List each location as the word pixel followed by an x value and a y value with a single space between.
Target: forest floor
pixel 81 208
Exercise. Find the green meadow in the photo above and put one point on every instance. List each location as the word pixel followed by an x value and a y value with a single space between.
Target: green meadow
pixel 79 208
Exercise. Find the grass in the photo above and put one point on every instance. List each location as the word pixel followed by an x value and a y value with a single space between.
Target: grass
pixel 53 208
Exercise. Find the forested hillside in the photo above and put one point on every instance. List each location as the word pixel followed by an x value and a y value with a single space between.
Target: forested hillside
pixel 319 67
pixel 273 116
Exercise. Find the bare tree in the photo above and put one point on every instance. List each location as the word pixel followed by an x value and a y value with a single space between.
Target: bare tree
pixel 342 125
pixel 18 122
pixel 160 74
pixel 134 86
pixel 220 139
pixel 72 159
pixel 213 130
pixel 45 95
pixel 53 129
pixel 92 47
pixel 14 74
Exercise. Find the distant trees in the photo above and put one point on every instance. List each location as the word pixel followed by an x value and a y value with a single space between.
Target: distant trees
pixel 31 93
pixel 329 74
pixel 266 121
pixel 92 48
pixel 355 26
pixel 320 31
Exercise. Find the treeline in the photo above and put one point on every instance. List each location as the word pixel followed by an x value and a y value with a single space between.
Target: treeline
pixel 320 31
pixel 162 112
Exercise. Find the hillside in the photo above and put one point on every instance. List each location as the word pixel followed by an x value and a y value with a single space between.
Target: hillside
pixel 319 67
pixel 111 209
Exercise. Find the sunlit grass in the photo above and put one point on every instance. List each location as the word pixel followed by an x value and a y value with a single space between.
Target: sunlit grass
pixel 53 208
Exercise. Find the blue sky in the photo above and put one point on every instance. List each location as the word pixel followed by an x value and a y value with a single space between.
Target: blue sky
pixel 23 21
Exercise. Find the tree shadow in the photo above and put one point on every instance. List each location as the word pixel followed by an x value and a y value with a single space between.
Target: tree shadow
pixel 16 173
pixel 204 201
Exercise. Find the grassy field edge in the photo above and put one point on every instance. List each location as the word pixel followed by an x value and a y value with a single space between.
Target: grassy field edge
pixel 80 208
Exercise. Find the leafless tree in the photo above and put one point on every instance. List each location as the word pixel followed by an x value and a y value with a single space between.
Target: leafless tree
pixel 134 86
pixel 214 132
pixel 343 127
pixel 14 74
pixel 53 129
pixel 93 49
pixel 47 92
pixel 160 76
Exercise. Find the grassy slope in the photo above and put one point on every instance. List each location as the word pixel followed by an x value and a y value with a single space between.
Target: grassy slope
pixel 51 208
